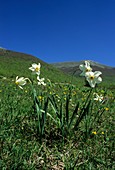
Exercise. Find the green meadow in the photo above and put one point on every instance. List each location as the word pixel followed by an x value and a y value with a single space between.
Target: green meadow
pixel 59 126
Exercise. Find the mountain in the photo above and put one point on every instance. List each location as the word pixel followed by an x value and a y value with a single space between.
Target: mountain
pixel 14 64
pixel 72 68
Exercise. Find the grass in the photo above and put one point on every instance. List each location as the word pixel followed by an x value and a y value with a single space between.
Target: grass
pixel 21 146
pixel 59 126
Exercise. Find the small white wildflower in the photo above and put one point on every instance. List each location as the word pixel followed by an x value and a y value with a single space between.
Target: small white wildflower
pixel 85 68
pixel 41 81
pixel 98 97
pixel 93 78
pixel 35 68
pixel 20 81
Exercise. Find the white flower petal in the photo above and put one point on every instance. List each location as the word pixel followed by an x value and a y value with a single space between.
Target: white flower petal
pixel 42 79
pixel 31 68
pixel 38 77
pixel 16 77
pixel 85 68
pixel 81 67
pixel 20 81
pixel 44 84
pixel 38 73
pixel 20 87
pixel 98 80
pixel 97 73
pixel 89 74
pixel 92 83
pixel 34 65
pixel 87 63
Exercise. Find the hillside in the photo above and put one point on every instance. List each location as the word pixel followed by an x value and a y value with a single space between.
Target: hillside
pixel 15 63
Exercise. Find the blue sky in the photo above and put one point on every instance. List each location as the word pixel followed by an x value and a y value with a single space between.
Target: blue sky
pixel 60 30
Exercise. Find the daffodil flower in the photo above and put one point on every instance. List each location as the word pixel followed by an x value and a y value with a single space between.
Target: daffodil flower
pixel 35 68
pixel 41 81
pixel 20 81
pixel 85 68
pixel 93 78
pixel 98 97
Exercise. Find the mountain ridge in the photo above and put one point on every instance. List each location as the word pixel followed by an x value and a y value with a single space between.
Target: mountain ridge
pixel 67 63
pixel 73 67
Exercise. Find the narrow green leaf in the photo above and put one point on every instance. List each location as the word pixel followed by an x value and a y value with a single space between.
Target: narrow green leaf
pixel 61 117
pixel 44 117
pixel 54 106
pixel 82 114
pixel 67 110
pixel 73 115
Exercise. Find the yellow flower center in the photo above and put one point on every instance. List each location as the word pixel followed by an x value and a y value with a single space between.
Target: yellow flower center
pixel 91 77
pixel 17 83
pixel 37 68
pixel 88 69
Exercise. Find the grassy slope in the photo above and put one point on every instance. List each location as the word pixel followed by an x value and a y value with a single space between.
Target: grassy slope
pixel 14 63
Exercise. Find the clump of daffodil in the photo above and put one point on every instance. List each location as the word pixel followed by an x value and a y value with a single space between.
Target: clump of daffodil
pixel 85 68
pixel 98 97
pixel 35 68
pixel 20 81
